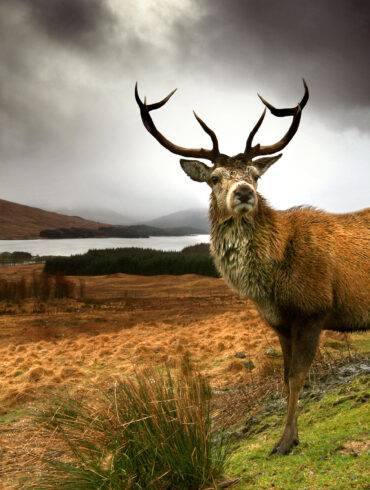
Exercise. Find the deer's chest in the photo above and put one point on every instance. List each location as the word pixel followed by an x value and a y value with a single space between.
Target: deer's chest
pixel 246 271
pixel 239 263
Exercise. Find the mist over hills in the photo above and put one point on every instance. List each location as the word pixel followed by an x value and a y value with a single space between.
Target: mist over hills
pixel 195 218
pixel 21 222
pixel 102 215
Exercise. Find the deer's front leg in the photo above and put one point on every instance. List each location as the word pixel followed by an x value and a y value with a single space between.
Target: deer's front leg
pixel 303 343
pixel 286 347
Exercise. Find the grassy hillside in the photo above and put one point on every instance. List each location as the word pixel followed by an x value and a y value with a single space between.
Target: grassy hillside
pixel 19 222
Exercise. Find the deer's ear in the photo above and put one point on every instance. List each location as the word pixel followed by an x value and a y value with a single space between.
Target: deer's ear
pixel 197 171
pixel 265 163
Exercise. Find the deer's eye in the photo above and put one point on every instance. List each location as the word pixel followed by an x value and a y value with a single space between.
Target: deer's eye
pixel 214 180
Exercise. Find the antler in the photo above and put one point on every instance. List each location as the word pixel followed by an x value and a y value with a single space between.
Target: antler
pixel 296 112
pixel 179 150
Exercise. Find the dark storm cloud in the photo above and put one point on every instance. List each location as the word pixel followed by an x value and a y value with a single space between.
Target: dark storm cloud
pixel 28 29
pixel 78 22
pixel 231 43
pixel 47 47
pixel 326 42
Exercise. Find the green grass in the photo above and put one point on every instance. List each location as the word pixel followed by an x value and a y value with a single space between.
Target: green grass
pixel 332 452
pixel 7 418
pixel 360 342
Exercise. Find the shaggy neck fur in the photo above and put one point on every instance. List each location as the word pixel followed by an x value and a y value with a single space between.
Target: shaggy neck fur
pixel 245 250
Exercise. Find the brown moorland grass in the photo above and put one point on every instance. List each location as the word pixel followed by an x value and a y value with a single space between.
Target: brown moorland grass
pixel 123 324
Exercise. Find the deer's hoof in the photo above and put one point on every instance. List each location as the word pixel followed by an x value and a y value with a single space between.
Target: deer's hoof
pixel 284 447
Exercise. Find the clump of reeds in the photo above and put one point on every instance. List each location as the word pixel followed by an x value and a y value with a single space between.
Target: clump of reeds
pixel 152 431
pixel 15 291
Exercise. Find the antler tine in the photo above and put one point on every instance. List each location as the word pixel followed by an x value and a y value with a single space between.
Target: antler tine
pixel 296 112
pixel 209 131
pixel 248 146
pixel 157 105
pixel 178 150
pixel 288 111
pixel 270 149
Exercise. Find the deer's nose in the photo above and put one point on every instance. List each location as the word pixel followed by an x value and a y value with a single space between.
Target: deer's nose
pixel 244 194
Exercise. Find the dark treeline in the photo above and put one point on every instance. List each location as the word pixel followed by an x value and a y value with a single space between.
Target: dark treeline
pixel 68 233
pixel 132 231
pixel 11 258
pixel 141 261
pixel 14 257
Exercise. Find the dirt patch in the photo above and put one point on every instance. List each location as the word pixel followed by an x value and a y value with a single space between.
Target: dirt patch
pixel 355 447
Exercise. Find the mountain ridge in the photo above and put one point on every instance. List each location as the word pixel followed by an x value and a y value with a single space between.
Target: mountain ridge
pixel 194 217
pixel 22 222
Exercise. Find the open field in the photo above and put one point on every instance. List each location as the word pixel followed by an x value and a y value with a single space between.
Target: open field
pixel 122 324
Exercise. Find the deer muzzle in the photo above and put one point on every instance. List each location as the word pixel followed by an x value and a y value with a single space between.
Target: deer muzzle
pixel 241 198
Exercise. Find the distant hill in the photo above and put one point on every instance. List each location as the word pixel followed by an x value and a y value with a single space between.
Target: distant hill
pixel 19 222
pixel 194 218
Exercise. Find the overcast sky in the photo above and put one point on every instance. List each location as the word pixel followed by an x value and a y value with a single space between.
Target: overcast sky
pixel 71 136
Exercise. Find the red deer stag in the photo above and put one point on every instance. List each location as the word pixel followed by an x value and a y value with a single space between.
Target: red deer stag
pixel 306 270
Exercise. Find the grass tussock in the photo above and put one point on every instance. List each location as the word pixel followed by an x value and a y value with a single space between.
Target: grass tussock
pixel 152 431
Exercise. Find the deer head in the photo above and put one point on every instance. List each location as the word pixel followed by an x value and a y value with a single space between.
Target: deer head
pixel 233 180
